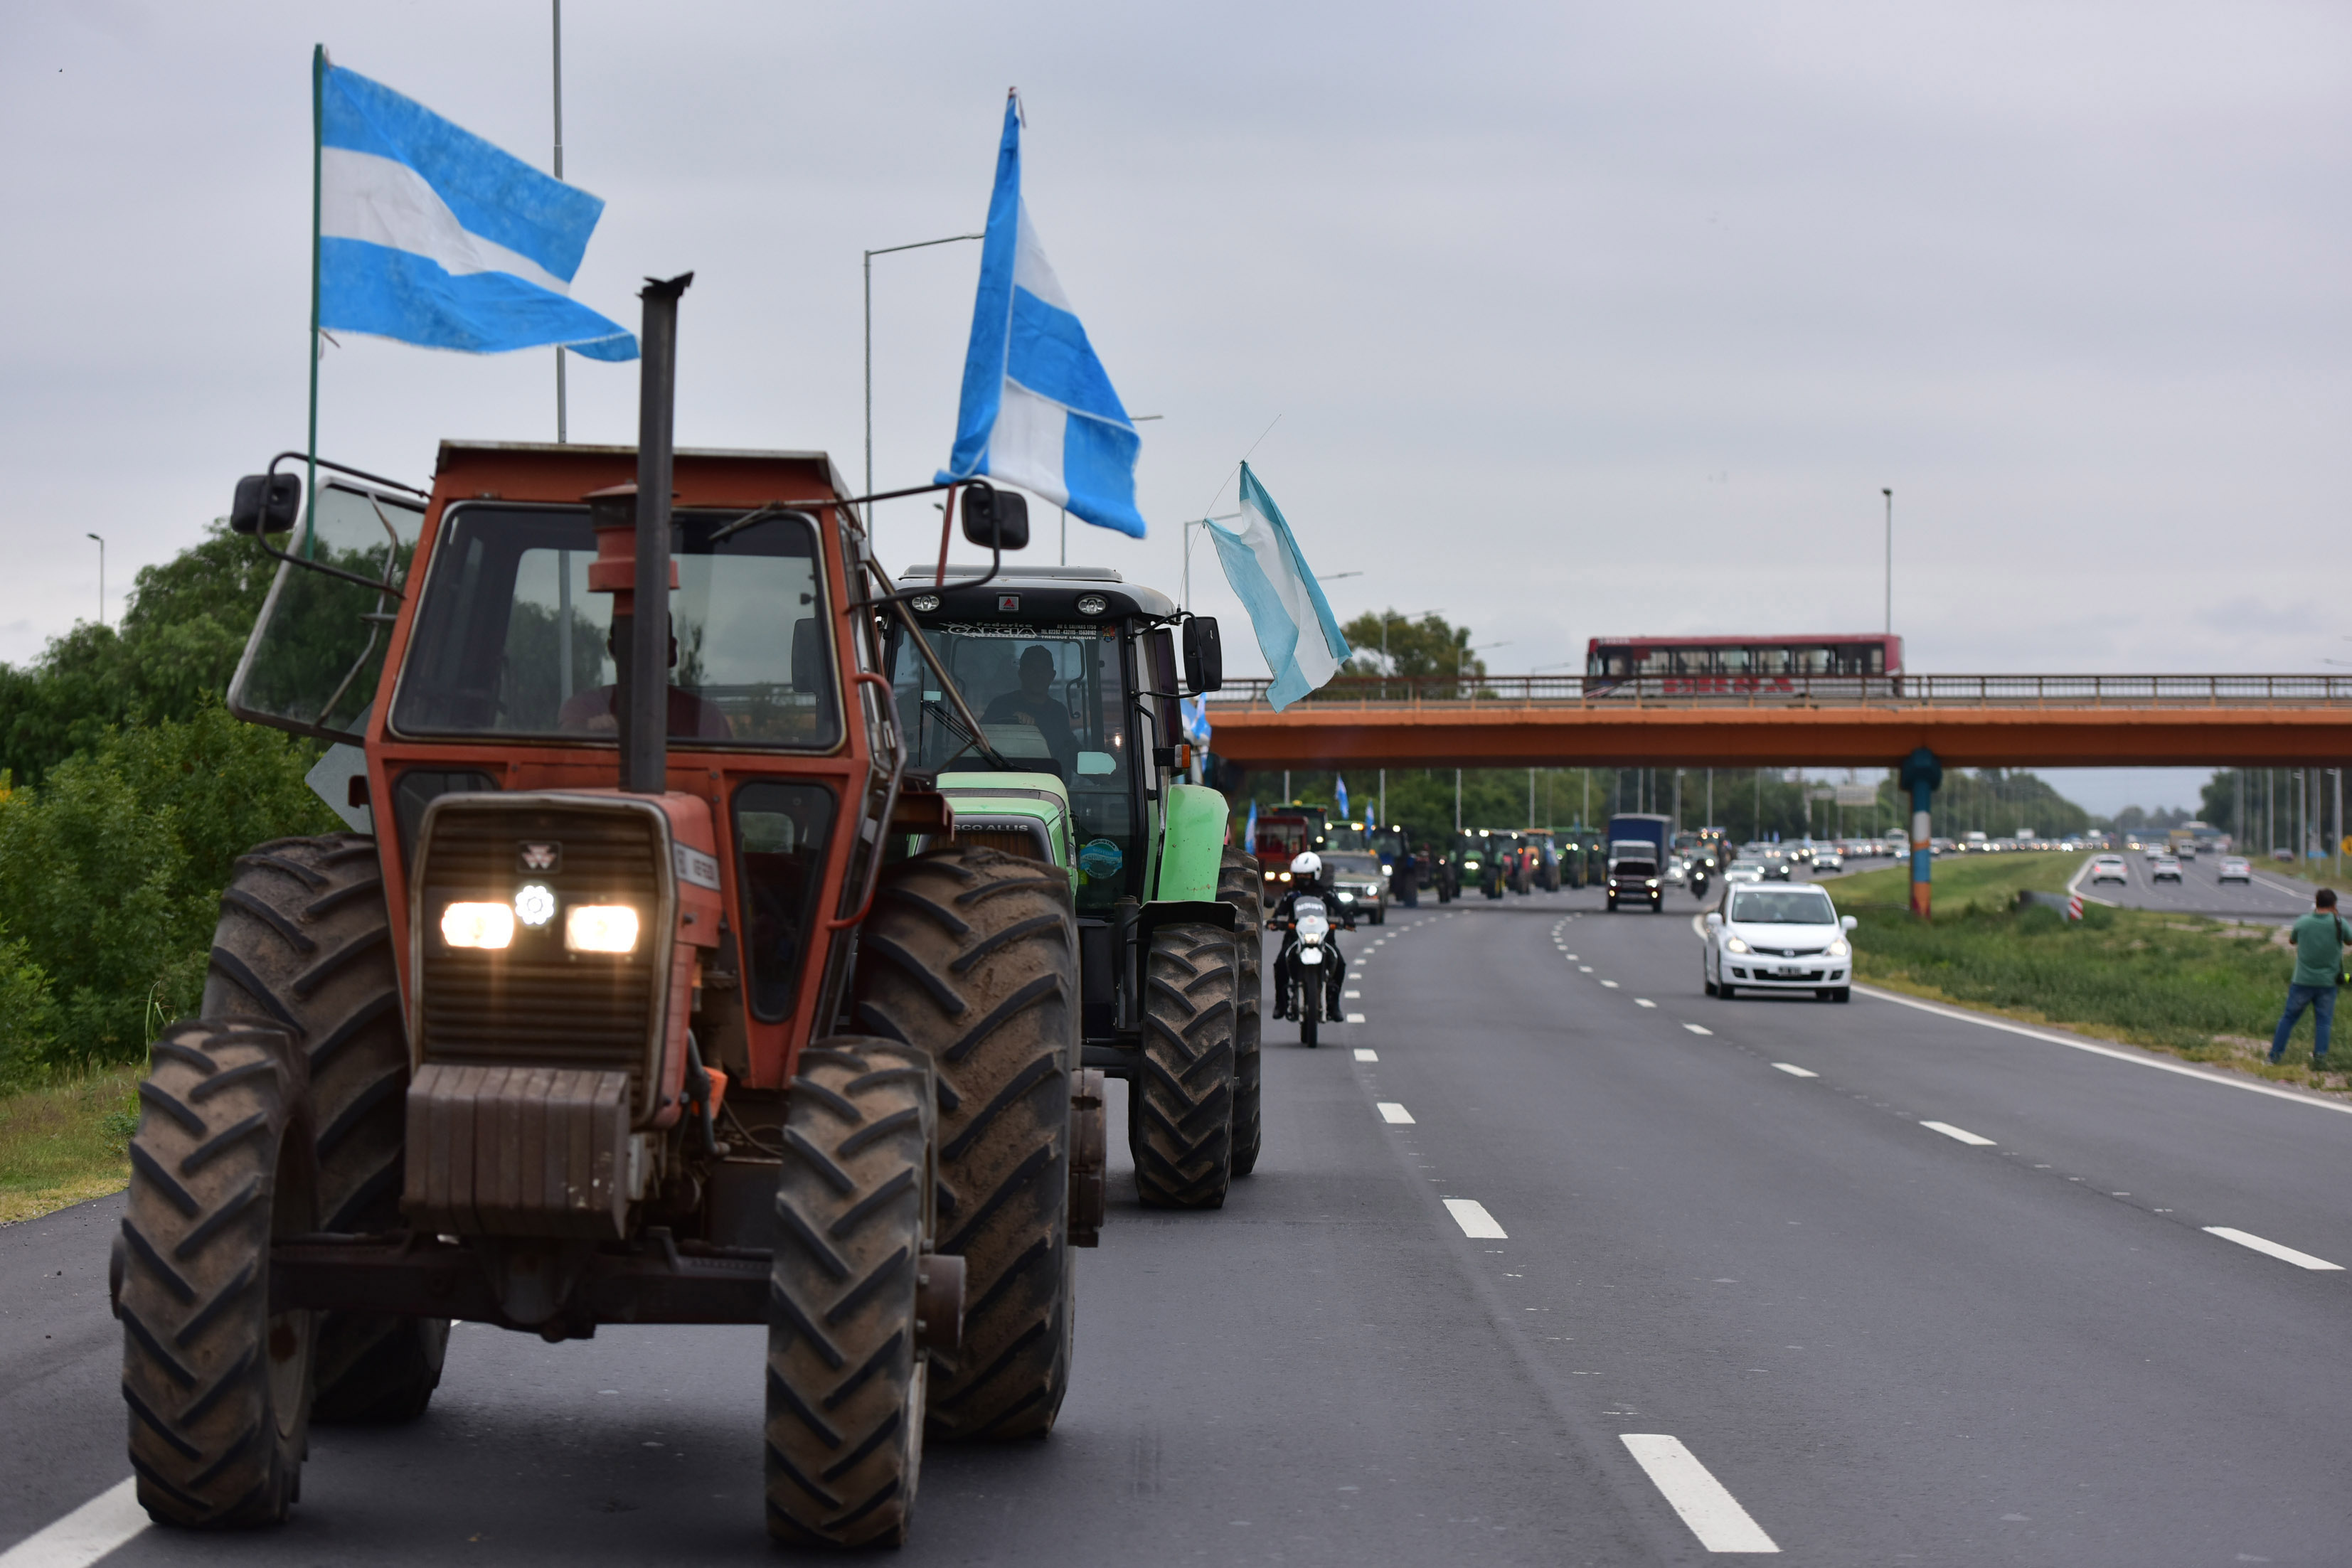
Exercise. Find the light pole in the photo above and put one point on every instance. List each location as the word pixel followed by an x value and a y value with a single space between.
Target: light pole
pixel 1889 493
pixel 101 578
pixel 884 250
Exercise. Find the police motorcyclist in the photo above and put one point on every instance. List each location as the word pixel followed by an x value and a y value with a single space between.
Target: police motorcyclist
pixel 1306 882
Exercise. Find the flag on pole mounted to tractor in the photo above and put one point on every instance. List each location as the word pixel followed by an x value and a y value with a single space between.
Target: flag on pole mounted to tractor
pixel 1038 410
pixel 1343 795
pixel 425 234
pixel 1296 629
pixel 1249 831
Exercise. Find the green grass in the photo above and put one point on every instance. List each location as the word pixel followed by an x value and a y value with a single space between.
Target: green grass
pixel 2203 989
pixel 66 1142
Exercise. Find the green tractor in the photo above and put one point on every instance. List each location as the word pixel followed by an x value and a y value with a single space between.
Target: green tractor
pixel 1044 702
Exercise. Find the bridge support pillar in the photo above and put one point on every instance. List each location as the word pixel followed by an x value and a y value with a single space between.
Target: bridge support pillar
pixel 1921 774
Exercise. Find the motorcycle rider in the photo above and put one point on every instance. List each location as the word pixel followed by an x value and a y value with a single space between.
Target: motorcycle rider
pixel 1306 882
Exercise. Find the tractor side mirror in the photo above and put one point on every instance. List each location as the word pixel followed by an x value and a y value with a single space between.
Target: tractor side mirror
pixel 266 504
pixel 1205 655
pixel 995 519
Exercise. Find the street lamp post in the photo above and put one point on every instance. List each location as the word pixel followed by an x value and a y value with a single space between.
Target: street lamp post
pixel 884 250
pixel 101 578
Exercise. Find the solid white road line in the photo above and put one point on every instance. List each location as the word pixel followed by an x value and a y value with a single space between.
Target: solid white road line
pixel 86 1534
pixel 1394 1112
pixel 1355 1017
pixel 1961 1133
pixel 1793 1071
pixel 1366 1054
pixel 1699 1029
pixel 1475 1222
pixel 2227 1233
pixel 2219 1079
pixel 1644 1002
pixel 1713 1514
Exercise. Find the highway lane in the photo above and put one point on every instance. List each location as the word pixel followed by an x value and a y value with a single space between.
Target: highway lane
pixel 1881 1344
pixel 2199 891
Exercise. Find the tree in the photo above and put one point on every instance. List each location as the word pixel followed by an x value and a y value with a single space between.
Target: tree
pixel 1430 646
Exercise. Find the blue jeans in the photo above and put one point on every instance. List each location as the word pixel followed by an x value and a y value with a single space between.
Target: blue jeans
pixel 2321 1000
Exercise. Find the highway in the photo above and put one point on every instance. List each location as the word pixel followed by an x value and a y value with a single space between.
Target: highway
pixel 1550 1261
pixel 2269 896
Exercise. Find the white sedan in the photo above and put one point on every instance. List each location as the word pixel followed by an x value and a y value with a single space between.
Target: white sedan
pixel 1778 939
pixel 2110 868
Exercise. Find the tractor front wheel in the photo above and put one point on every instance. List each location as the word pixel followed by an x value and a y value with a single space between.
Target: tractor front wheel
pixel 1180 1107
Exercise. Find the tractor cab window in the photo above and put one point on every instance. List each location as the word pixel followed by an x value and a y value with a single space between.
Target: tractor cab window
pixel 510 641
pixel 1050 700
pixel 313 664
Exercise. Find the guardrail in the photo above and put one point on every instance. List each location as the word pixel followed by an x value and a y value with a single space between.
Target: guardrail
pixel 1798 691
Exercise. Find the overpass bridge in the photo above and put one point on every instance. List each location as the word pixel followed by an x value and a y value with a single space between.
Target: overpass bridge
pixel 1720 721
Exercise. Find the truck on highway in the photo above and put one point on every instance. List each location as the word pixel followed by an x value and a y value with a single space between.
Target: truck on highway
pixel 1638 846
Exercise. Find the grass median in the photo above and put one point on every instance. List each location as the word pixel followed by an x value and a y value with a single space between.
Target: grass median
pixel 2208 990
pixel 66 1142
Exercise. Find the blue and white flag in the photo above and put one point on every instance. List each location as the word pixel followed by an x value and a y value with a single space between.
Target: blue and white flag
pixel 1343 796
pixel 1296 630
pixel 1038 409
pixel 430 235
pixel 1249 831
pixel 1194 711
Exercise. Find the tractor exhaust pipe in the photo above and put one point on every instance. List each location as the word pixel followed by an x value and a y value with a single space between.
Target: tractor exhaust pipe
pixel 645 677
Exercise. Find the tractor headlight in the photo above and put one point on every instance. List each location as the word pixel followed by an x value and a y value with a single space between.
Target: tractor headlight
pixel 535 904
pixel 1285 876
pixel 600 928
pixel 477 925
pixel 924 603
pixel 1733 945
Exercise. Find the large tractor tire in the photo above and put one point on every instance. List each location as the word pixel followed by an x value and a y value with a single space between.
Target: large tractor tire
pixel 1180 1108
pixel 219 1390
pixel 971 957
pixel 1238 879
pixel 304 944
pixel 846 1371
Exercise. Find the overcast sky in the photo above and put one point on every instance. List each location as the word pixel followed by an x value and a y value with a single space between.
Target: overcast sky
pixel 1567 319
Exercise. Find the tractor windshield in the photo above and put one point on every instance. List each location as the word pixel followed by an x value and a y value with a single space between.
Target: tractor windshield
pixel 510 642
pixel 1050 700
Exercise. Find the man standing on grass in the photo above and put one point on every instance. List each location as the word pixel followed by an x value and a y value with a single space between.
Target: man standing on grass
pixel 2319 939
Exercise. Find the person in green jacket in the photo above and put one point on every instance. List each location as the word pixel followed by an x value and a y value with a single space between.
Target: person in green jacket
pixel 2319 939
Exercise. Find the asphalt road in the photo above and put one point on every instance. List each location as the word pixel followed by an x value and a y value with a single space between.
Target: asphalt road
pixel 2199 891
pixel 1731 1303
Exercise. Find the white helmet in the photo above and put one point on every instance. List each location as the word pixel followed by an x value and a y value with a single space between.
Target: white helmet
pixel 1308 864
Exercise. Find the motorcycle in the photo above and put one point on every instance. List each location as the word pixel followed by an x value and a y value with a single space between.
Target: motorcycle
pixel 1698 882
pixel 1309 966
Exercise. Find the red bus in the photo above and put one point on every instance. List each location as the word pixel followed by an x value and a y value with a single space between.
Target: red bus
pixel 1733 664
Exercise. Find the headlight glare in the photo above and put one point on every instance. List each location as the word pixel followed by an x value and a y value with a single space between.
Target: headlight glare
pixel 1733 945
pixel 1839 949
pixel 477 925
pixel 600 928
pixel 534 905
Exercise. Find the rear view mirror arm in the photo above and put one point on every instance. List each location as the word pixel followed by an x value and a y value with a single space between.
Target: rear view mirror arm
pixel 386 586
pixel 948 688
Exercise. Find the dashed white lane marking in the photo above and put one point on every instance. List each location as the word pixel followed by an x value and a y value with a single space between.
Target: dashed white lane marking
pixel 1366 1054
pixel 1351 996
pixel 1394 1112
pixel 1793 1071
pixel 2227 1233
pixel 1713 1514
pixel 1644 1002
pixel 86 1534
pixel 1475 1222
pixel 1355 1017
pixel 1572 957
pixel 1584 968
pixel 1699 1029
pixel 1961 1133
pixel 1610 984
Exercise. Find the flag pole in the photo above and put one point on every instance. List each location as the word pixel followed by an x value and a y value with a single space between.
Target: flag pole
pixel 317 155
pixel 563 434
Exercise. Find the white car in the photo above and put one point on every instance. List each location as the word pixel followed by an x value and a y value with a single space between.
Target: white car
pixel 1778 939
pixel 2163 868
pixel 1744 871
pixel 2110 868
pixel 1828 860
pixel 2235 868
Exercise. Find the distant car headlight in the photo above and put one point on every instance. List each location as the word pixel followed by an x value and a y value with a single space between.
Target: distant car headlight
pixel 1651 883
pixel 600 928
pixel 477 925
pixel 1733 945
pixel 1839 949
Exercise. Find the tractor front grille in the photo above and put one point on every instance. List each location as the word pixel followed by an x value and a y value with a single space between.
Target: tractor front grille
pixel 533 1004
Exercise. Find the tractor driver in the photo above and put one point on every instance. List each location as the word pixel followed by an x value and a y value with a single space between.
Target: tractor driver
pixel 1034 704
pixel 691 716
pixel 1306 881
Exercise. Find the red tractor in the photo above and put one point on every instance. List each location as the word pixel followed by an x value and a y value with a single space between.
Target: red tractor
pixel 626 1001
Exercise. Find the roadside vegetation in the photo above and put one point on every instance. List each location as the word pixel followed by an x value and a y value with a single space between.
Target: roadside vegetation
pixel 127 791
pixel 2207 990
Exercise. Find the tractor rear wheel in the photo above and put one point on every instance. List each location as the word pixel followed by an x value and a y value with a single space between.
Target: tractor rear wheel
pixel 971 957
pixel 1180 1107
pixel 304 944
pixel 219 1389
pixel 845 1372
pixel 1237 884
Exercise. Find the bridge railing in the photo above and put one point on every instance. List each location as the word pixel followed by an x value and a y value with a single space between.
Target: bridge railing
pixel 1763 691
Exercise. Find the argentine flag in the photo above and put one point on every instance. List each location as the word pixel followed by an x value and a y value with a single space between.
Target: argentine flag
pixel 430 235
pixel 1296 630
pixel 1038 409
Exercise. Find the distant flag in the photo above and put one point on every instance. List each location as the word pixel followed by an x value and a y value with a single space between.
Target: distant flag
pixel 1296 629
pixel 1343 797
pixel 430 235
pixel 1195 714
pixel 1038 409
pixel 1249 831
